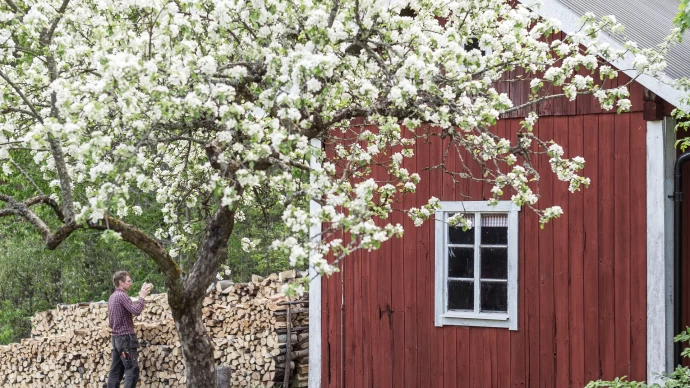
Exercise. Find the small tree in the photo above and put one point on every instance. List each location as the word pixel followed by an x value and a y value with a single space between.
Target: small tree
pixel 191 106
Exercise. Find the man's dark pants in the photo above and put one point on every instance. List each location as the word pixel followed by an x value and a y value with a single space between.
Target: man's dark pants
pixel 125 361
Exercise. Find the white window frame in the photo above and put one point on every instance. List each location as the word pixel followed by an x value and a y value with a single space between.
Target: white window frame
pixel 443 317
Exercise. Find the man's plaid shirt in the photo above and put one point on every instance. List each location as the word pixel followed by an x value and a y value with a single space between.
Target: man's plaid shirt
pixel 120 311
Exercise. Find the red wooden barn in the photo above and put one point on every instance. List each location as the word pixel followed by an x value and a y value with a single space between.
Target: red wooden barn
pixel 509 304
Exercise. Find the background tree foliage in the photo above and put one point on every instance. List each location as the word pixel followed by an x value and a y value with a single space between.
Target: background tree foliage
pixel 80 270
pixel 682 19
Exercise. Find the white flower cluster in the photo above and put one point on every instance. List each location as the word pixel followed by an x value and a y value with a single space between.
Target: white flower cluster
pixel 548 214
pixel 224 273
pixel 486 147
pixel 248 245
pixel 517 179
pixel 566 170
pixel 419 215
pixel 459 220
pixel 607 98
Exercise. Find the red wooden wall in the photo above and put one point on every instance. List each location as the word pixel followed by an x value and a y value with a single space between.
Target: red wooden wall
pixel 582 279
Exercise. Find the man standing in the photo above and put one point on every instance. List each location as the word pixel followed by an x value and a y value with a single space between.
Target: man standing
pixel 120 310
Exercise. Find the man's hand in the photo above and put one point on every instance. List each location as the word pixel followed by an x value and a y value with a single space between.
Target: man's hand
pixel 145 289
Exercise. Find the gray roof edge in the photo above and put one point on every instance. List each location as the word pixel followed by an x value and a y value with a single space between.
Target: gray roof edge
pixel 570 23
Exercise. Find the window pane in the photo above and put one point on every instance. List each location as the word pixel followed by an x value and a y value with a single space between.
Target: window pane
pixel 457 236
pixel 494 263
pixel 494 229
pixel 494 296
pixel 460 295
pixel 461 262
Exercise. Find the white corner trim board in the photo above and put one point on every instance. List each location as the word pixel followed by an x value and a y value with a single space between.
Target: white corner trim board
pixel 314 299
pixel 570 22
pixel 660 160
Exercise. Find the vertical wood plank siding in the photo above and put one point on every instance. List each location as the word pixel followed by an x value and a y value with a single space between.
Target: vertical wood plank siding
pixel 582 310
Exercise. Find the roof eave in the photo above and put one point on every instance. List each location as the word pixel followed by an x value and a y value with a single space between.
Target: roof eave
pixel 570 23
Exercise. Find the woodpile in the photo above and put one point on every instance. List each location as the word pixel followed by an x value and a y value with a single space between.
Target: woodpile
pixel 260 335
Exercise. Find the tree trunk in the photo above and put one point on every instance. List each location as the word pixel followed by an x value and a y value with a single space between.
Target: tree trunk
pixel 197 348
pixel 223 374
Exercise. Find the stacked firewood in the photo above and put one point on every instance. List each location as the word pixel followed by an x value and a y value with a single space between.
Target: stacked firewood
pixel 66 318
pixel 248 322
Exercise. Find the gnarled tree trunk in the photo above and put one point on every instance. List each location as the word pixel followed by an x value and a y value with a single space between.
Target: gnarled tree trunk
pixel 186 303
pixel 197 347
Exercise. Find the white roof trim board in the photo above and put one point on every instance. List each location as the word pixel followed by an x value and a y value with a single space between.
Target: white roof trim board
pixel 646 22
pixel 570 22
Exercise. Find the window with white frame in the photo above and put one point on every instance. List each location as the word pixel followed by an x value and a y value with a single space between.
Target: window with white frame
pixel 476 269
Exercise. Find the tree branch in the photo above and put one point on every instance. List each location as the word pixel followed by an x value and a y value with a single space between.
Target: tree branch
pixel 194 124
pixel 153 249
pixel 21 209
pixel 9 212
pixel 46 200
pixel 17 110
pixel 61 235
pixel 55 147
pixel 14 7
pixel 210 253
pixel 26 175
pixel 48 37
pixel 128 232
pixel 538 100
pixel 10 143
pixel 65 179
pixel 319 126
pixel 36 54
pixel 22 96
pixel 249 65
pixel 333 13
pixel 173 139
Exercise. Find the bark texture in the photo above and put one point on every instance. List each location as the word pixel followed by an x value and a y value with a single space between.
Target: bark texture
pixel 197 348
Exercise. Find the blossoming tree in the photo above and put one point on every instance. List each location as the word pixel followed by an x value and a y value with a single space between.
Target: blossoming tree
pixel 197 104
